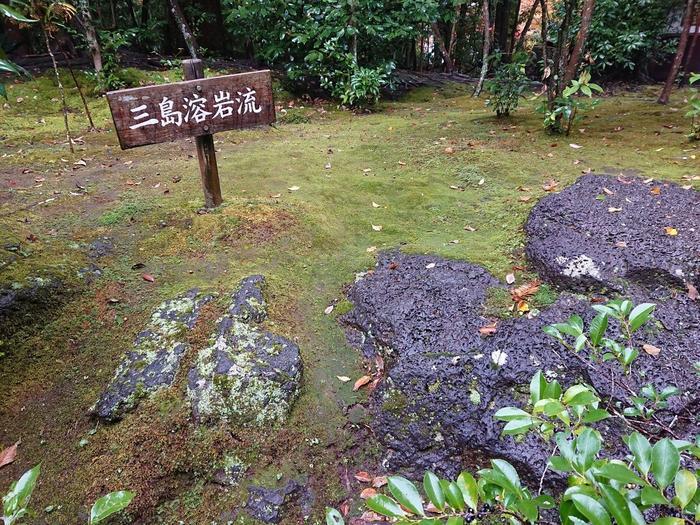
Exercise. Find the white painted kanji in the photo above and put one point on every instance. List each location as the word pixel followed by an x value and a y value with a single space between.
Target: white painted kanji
pixel 247 102
pixel 223 104
pixel 167 115
pixel 195 107
pixel 140 115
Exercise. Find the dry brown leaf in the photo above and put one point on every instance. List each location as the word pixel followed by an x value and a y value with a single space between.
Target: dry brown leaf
pixel 148 277
pixel 692 292
pixel 656 190
pixel 521 293
pixel 379 481
pixel 363 477
pixel 550 185
pixel 489 329
pixel 671 231
pixel 449 150
pixel 8 455
pixel 608 191
pixel 651 350
pixel 524 198
pixel 361 382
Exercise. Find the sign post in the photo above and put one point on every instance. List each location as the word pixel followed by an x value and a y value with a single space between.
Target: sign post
pixel 197 107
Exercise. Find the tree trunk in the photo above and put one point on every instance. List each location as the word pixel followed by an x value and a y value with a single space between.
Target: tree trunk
pixel 678 60
pixel 132 12
pixel 85 19
pixel 547 73
pixel 514 28
pixel 453 32
pixel 60 89
pixel 443 50
pixel 586 16
pixel 190 41
pixel 486 48
pixel 530 17
pixel 691 48
pixel 144 13
pixel 80 92
pixel 560 59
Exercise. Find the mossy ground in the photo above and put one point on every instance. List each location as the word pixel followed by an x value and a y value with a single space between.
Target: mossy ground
pixel 308 243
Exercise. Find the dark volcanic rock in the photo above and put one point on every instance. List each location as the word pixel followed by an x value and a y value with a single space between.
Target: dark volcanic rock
pixel 22 303
pixel 585 237
pixel 246 376
pixel 155 357
pixel 434 410
pixel 271 505
pixel 101 247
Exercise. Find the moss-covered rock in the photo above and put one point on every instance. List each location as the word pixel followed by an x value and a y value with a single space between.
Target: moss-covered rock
pixel 246 376
pixel 155 357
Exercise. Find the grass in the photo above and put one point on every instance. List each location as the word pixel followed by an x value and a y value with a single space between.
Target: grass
pixel 436 170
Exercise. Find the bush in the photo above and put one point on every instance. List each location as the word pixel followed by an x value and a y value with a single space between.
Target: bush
pixel 508 84
pixel 694 111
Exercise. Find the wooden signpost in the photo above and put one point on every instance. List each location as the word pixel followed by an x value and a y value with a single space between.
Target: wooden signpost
pixel 197 107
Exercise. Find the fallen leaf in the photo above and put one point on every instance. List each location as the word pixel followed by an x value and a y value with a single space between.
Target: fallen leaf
pixel 523 307
pixel 293 188
pixel 363 477
pixel 481 182
pixel 469 228
pixel 276 196
pixel 608 191
pixel 524 291
pixel 671 231
pixel 550 185
pixel 328 166
pixel 148 277
pixel 449 150
pixel 651 350
pixel 575 146
pixel 368 493
pixel 524 198
pixel 510 278
pixel 375 205
pixel 367 170
pixel 692 292
pixel 343 379
pixel 614 210
pixel 379 481
pixel 361 382
pixel 393 265
pixel 402 163
pixel 371 249
pixel 488 330
pixel 328 310
pixel 376 227
pixel 430 266
pixel 656 190
pixel 8 455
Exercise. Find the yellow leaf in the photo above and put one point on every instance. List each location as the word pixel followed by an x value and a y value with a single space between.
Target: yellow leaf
pixel 671 231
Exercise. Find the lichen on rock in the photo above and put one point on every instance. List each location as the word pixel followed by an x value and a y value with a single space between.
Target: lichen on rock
pixel 155 358
pixel 246 376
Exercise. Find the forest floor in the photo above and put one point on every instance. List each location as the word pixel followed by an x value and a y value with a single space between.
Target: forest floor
pixel 307 203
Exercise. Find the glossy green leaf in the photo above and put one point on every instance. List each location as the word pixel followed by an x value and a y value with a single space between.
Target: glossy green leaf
pixel 385 506
pixel 333 517
pixel 518 426
pixel 578 395
pixel 538 385
pixel 616 504
pixel 470 490
pixel 641 450
pixel 110 504
pixel 455 520
pixel 559 464
pixel 509 473
pixel 431 485
pixel 453 494
pixel 686 485
pixel 407 494
pixel 15 15
pixel 599 325
pixel 21 491
pixel 510 413
pixel 640 314
pixel 620 473
pixel 591 509
pixel 652 496
pixel 594 415
pixel 665 461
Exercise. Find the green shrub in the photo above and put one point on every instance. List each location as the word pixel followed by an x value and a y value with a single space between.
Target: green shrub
pixel 508 83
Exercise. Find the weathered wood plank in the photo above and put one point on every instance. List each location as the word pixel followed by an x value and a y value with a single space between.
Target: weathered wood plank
pixel 154 114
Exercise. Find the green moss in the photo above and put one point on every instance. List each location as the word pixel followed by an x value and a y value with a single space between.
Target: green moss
pixel 498 303
pixel 395 401
pixel 126 211
pixel 342 307
pixel 546 295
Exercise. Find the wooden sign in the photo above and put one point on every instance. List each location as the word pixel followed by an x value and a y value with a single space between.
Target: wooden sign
pixel 153 114
pixel 196 108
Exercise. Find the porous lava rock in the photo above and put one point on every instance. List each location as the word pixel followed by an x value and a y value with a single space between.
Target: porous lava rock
pixel 444 382
pixel 246 376
pixel 270 505
pixel 22 302
pixel 605 232
pixel 155 358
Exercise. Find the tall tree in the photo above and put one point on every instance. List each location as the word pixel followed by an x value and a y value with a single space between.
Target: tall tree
pixel 586 17
pixel 486 49
pixel 441 45
pixel 680 52
pixel 184 27
pixel 85 20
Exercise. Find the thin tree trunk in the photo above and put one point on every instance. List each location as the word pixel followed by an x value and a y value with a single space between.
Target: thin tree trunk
pixel 132 12
pixel 113 11
pixel 530 17
pixel 678 60
pixel 586 16
pixel 560 58
pixel 691 49
pixel 144 13
pixel 85 19
pixel 80 92
pixel 453 32
pixel 486 48
pixel 184 28
pixel 441 44
pixel 60 89
pixel 514 28
pixel 547 73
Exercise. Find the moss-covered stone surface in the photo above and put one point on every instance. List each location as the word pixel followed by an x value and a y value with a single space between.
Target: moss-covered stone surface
pixel 309 243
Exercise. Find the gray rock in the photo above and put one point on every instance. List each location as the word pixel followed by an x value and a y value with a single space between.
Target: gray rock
pixel 434 409
pixel 101 247
pixel 246 376
pixel 230 472
pixel 586 238
pixel 271 505
pixel 22 303
pixel 155 358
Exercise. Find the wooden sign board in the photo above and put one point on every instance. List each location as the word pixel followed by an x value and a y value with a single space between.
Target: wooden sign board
pixel 194 108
